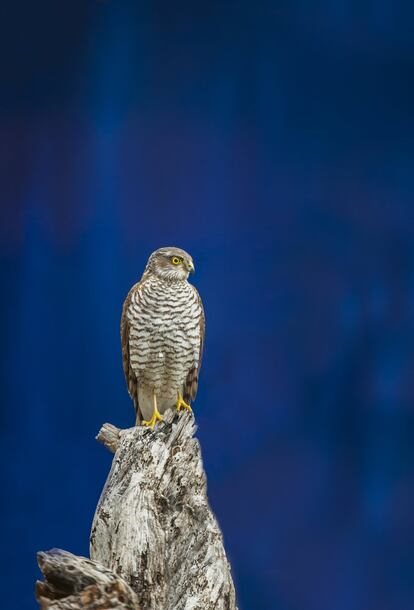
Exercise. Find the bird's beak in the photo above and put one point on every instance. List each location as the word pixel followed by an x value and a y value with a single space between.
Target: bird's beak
pixel 190 267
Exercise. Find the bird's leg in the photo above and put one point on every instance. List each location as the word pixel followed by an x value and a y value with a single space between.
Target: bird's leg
pixel 180 403
pixel 156 415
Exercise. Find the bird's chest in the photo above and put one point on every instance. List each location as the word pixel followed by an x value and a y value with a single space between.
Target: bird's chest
pixel 166 312
pixel 164 336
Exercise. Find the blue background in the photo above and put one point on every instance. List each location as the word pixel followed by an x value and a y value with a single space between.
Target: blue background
pixel 273 141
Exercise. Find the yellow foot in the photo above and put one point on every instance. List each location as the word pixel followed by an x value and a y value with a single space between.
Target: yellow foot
pixel 181 404
pixel 156 416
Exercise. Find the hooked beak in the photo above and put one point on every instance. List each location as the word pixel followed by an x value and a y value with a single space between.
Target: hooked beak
pixel 190 267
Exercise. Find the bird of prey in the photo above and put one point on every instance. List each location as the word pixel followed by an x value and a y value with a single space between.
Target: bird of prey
pixel 162 335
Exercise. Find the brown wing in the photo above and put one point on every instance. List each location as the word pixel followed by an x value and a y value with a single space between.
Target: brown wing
pixel 191 383
pixel 130 376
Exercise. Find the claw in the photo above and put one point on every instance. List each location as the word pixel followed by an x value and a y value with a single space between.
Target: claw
pixel 182 404
pixel 156 415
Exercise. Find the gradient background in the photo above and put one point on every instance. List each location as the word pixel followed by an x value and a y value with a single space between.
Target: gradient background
pixel 274 141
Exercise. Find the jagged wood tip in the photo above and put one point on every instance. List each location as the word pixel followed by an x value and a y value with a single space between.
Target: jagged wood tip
pixel 77 583
pixel 109 435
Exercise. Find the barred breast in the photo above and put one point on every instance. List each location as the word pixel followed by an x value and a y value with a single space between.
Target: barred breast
pixel 164 340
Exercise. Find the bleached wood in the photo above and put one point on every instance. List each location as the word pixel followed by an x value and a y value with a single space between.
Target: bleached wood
pixel 77 583
pixel 153 524
pixel 109 436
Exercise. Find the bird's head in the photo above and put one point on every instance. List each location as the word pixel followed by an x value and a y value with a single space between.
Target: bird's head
pixel 170 264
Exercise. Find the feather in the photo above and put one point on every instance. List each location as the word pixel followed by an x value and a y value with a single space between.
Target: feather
pixel 191 383
pixel 130 376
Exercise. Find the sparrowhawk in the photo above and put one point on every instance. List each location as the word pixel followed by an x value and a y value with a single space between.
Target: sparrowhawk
pixel 162 334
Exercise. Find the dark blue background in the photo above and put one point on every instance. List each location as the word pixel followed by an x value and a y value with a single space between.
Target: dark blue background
pixel 274 141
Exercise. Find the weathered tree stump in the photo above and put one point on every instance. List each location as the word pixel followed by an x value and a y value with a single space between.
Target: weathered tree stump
pixel 153 525
pixel 155 543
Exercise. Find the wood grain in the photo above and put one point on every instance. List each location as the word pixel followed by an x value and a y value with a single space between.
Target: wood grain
pixel 153 524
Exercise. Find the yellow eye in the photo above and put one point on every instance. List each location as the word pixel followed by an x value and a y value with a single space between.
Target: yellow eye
pixel 176 261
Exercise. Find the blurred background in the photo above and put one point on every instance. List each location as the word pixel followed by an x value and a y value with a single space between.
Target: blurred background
pixel 274 142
